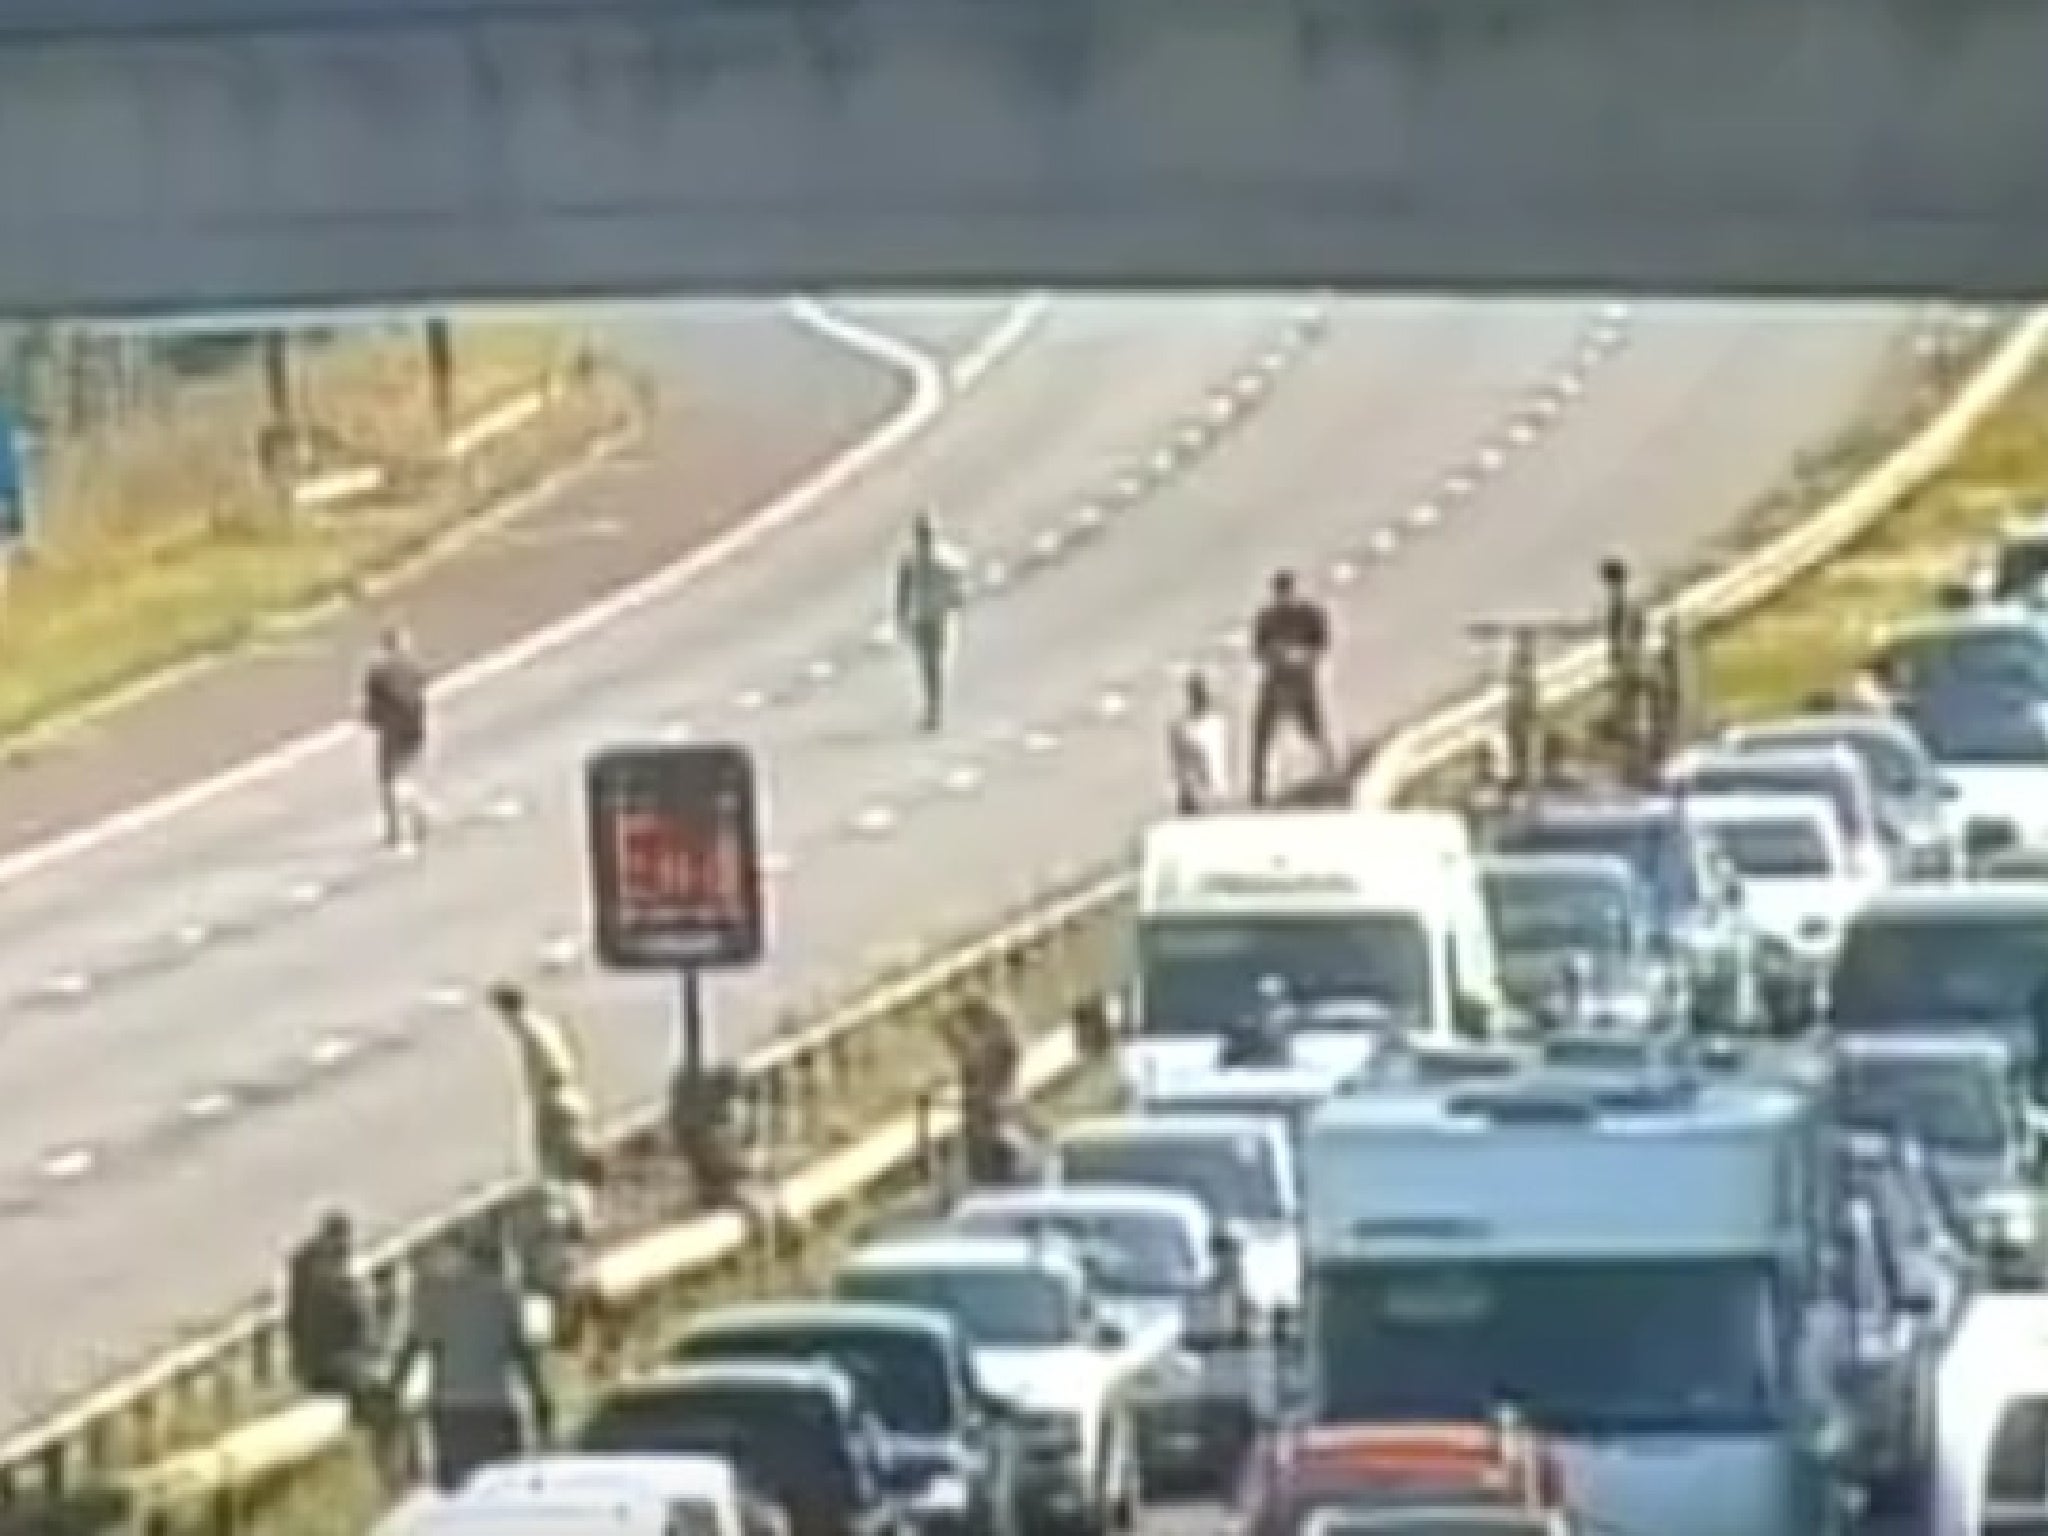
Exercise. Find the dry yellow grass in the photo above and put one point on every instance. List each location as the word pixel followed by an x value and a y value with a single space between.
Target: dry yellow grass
pixel 161 539
pixel 1819 630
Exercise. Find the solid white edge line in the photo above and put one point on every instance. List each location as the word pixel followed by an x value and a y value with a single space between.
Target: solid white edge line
pixel 932 389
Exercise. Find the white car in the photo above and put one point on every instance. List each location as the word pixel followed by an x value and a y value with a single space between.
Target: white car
pixel 1290 1094
pixel 1043 1346
pixel 1800 885
pixel 1833 773
pixel 575 1495
pixel 1239 1166
pixel 1156 1265
pixel 1990 1474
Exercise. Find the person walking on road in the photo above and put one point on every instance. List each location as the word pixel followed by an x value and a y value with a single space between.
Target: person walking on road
pixel 1198 750
pixel 931 590
pixel 1291 646
pixel 394 712
pixel 486 1385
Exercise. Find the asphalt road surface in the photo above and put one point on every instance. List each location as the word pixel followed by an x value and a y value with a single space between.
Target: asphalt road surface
pixel 212 1029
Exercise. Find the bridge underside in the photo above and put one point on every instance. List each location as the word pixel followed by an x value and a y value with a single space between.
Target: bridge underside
pixel 158 154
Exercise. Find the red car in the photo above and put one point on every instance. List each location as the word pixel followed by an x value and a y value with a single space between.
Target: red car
pixel 1328 1467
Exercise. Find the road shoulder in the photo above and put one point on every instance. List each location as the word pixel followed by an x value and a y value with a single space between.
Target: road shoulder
pixel 718 442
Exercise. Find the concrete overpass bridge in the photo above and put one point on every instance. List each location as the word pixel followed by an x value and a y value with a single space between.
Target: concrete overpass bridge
pixel 216 153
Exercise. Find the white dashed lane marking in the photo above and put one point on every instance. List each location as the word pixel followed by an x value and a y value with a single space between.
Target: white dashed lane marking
pixel 1110 704
pixel 72 1163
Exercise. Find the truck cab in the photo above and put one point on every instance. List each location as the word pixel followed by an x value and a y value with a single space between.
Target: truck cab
pixel 1044 1346
pixel 1636 1266
pixel 1372 920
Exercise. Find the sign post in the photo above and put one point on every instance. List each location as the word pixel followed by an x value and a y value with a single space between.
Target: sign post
pixel 675 869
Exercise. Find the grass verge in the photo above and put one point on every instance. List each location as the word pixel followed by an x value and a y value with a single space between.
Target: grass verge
pixel 1821 628
pixel 160 541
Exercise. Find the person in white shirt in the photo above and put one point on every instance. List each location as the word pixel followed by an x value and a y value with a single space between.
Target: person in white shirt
pixel 1198 745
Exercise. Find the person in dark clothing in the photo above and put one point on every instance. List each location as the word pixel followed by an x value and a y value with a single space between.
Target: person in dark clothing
pixel 488 1398
pixel 328 1326
pixel 394 711
pixel 1290 644
pixel 331 1335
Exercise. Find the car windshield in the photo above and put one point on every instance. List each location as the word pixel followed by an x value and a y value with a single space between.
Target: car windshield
pixel 1978 725
pixel 1895 767
pixel 2010 657
pixel 792 1445
pixel 2019 568
pixel 1583 1347
pixel 1131 1253
pixel 904 1375
pixel 1235 1174
pixel 1203 975
pixel 1947 1105
pixel 1654 846
pixel 1774 847
pixel 1542 913
pixel 1021 1308
pixel 1759 776
pixel 1293 1111
pixel 1912 971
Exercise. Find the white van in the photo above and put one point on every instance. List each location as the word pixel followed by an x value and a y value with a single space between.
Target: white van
pixel 679 1495
pixel 1363 919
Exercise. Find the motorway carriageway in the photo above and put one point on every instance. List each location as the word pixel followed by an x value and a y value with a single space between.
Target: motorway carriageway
pixel 214 1028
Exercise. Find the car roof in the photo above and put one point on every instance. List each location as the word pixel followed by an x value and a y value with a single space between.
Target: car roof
pixel 669 1474
pixel 1747 806
pixel 1085 1199
pixel 1109 1129
pixel 709 1375
pixel 1222 1086
pixel 795 1316
pixel 953 1250
pixel 1976 898
pixel 1828 758
pixel 1843 722
pixel 1618 808
pixel 1604 868
pixel 1933 1047
pixel 1983 618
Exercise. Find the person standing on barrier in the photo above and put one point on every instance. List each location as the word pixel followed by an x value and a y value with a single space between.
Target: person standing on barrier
pixel 487 1391
pixel 394 712
pixel 931 591
pixel 1291 642
pixel 1198 750
pixel 983 1040
pixel 558 1105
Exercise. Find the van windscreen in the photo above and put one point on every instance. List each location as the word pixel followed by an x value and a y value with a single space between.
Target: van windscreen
pixel 1201 975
